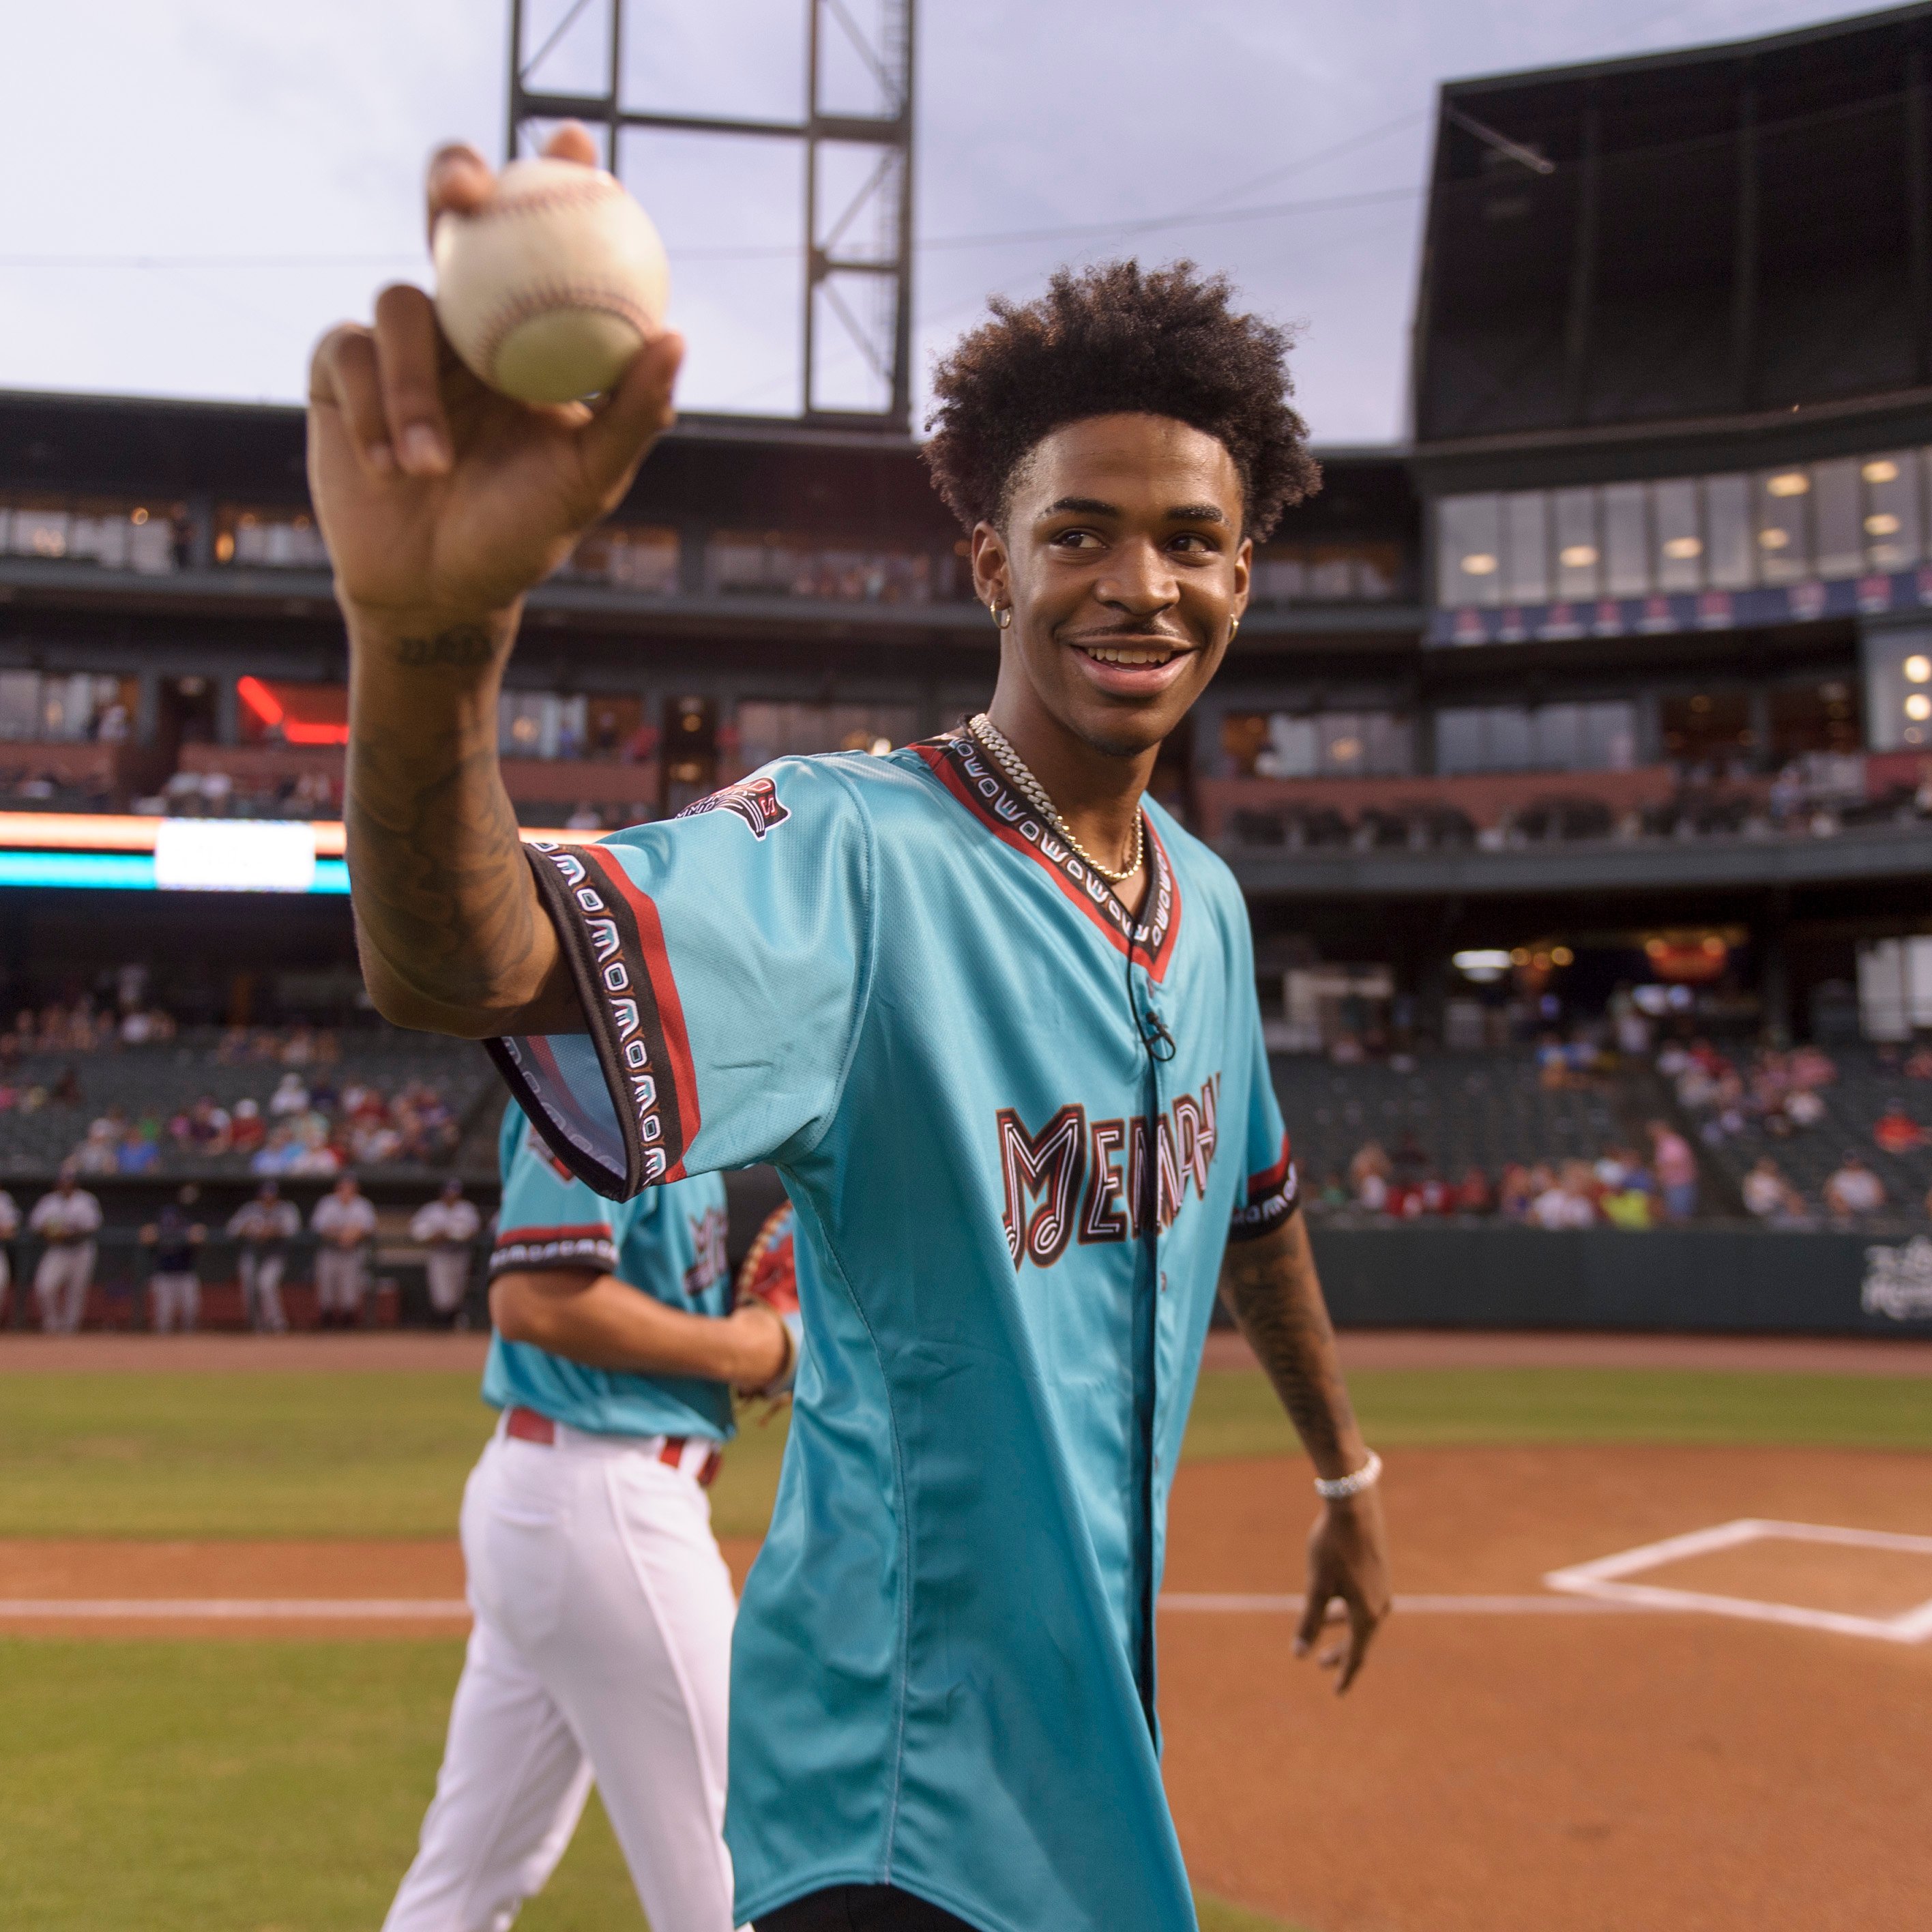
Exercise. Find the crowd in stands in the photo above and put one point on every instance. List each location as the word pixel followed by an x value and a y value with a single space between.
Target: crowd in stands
pixel 307 1126
pixel 1789 807
pixel 1622 1188
pixel 217 794
pixel 1807 1139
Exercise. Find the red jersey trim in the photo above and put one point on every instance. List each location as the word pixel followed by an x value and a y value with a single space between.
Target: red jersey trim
pixel 1271 1197
pixel 964 769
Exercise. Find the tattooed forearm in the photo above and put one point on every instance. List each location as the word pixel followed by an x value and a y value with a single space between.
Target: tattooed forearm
pixel 462 647
pixel 1271 1288
pixel 451 937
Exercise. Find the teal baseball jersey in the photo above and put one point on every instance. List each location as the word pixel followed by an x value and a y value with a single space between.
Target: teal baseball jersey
pixel 1019 1126
pixel 668 1243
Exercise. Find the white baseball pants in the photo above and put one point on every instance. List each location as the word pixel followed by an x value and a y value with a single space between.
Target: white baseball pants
pixel 174 1301
pixel 448 1273
pixel 262 1292
pixel 61 1282
pixel 601 1648
pixel 340 1281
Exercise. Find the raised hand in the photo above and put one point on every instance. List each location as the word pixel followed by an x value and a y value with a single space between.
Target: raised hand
pixel 442 503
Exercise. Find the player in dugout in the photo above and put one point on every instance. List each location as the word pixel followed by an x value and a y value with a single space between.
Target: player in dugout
pixel 990 1011
pixel 603 1609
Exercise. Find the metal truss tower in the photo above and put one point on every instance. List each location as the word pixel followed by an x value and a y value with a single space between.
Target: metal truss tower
pixel 856 137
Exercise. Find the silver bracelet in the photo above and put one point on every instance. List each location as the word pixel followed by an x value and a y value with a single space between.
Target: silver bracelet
pixel 1339 1489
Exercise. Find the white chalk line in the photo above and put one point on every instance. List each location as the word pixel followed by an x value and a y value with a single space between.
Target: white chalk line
pixel 203 1609
pixel 382 1609
pixel 1602 1581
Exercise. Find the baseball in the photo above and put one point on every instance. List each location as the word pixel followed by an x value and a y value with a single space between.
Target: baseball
pixel 550 289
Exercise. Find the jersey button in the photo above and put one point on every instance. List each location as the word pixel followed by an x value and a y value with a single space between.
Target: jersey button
pixel 1163 1281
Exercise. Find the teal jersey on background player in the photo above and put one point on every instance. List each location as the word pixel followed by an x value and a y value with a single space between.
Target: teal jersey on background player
pixel 1017 1129
pixel 668 1243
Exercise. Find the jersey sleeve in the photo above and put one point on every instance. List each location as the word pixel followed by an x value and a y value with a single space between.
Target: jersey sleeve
pixel 1273 1190
pixel 549 1219
pixel 720 960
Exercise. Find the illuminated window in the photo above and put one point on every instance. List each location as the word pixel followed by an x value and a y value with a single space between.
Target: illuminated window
pixel 1576 545
pixel 1468 528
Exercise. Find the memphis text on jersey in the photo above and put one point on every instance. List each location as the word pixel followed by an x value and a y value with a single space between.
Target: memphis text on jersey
pixel 1094 1181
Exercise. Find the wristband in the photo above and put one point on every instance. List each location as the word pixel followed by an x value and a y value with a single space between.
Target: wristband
pixel 1339 1489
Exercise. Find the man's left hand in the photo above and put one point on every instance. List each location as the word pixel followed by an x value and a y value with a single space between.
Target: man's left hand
pixel 1347 1563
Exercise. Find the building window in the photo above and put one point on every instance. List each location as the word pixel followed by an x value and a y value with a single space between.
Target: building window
pixel 1469 546
pixel 1592 737
pixel 540 724
pixel 1678 557
pixel 1579 553
pixel 1627 539
pixel 1893 531
pixel 1833 520
pixel 776 730
pixel 629 556
pixel 1324 744
pixel 1898 689
pixel 72 708
pixel 1331 573
pixel 1727 521
pixel 779 566
pixel 1838 518
pixel 1784 525
pixel 279 539
pixel 150 539
pixel 1807 718
pixel 1707 728
pixel 1526 546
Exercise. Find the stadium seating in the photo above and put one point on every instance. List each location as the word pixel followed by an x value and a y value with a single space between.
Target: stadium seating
pixel 1867 1083
pixel 1464 1110
pixel 159 1081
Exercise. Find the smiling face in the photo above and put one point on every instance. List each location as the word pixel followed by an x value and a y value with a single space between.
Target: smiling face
pixel 1122 560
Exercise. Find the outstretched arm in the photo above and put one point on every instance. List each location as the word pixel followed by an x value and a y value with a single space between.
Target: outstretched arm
pixel 442 503
pixel 595 1319
pixel 1271 1288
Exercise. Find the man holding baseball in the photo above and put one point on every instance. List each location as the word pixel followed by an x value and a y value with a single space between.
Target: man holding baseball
pixel 603 1609
pixel 991 1012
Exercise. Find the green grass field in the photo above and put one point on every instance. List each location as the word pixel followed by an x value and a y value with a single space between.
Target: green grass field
pixel 250 1786
pixel 254 1785
pixel 382 1454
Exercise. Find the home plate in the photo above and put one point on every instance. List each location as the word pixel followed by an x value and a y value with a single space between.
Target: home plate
pixel 1886 1576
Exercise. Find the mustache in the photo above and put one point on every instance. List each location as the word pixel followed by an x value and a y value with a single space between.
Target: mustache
pixel 1130 633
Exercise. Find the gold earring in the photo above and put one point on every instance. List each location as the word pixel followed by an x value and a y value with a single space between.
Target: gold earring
pixel 1003 616
pixel 1232 628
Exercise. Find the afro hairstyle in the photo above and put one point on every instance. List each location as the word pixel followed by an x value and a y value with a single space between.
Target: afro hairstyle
pixel 1114 338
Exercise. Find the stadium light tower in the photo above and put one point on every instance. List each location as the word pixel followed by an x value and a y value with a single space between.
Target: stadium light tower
pixel 855 134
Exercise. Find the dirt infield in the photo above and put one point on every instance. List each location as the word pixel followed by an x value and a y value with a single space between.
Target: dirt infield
pixel 23 1353
pixel 1497 1769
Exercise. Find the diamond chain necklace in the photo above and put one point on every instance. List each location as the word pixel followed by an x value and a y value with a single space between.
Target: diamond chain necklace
pixel 1010 762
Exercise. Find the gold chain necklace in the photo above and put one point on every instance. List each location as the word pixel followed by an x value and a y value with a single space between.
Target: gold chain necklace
pixel 1010 762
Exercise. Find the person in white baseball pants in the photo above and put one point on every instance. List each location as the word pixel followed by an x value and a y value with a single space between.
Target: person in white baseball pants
pixel 262 1229
pixel 9 1226
pixel 448 1226
pixel 601 1644
pixel 67 1219
pixel 344 1219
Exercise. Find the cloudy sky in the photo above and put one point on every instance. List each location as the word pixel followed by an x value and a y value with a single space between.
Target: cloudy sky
pixel 194 189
